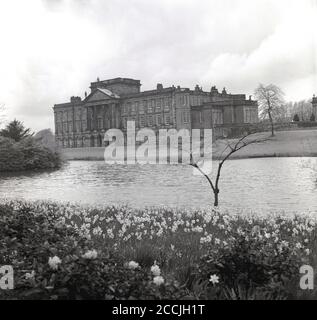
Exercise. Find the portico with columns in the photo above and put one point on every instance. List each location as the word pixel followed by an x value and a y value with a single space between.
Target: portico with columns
pixel 103 113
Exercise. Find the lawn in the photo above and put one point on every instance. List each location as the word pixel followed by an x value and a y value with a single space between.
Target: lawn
pixel 297 143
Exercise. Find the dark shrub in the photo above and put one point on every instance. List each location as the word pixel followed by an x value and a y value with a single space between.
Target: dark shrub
pixel 26 155
pixel 252 269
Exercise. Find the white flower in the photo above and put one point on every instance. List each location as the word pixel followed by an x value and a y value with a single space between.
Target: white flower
pixel 158 280
pixel 155 269
pixel 267 235
pixel 133 265
pixel 198 229
pixel 298 245
pixel 54 262
pixel 90 255
pixel 30 275
pixel 214 279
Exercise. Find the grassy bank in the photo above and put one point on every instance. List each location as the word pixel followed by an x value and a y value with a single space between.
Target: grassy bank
pixel 297 143
pixel 62 251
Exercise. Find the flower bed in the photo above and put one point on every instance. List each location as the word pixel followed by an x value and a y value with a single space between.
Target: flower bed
pixel 65 251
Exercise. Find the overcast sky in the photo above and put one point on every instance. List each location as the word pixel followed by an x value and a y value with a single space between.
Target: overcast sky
pixel 53 49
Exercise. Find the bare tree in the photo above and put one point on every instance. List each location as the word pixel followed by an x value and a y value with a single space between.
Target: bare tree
pixel 230 147
pixel 271 102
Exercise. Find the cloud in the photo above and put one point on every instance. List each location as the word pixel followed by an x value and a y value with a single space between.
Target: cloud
pixel 53 49
pixel 284 57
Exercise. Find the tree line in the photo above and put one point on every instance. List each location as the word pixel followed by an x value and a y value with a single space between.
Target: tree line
pixel 274 108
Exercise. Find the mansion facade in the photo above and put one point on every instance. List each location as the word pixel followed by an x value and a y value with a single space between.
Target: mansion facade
pixel 111 103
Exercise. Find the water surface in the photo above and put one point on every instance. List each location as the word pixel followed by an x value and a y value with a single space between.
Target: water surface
pixel 255 184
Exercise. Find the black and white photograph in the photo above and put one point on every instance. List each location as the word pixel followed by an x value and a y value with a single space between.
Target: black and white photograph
pixel 158 151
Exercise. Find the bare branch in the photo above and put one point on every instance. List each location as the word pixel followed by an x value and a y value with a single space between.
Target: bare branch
pixel 195 165
pixel 232 147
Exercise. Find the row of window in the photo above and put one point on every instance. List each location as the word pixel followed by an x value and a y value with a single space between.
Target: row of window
pixel 65 127
pixel 250 116
pixel 101 123
pixel 147 106
pixel 186 100
pixel 197 100
pixel 80 142
pixel 68 115
pixel 149 121
pixel 143 121
pixel 69 143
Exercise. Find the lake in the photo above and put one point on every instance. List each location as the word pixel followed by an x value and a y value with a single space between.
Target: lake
pixel 275 184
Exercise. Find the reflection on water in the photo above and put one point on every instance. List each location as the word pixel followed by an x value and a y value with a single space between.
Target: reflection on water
pixel 256 184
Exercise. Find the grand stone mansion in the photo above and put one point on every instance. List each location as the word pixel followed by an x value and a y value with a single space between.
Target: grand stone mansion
pixel 111 103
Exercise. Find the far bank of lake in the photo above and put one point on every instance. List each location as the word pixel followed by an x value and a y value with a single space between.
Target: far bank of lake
pixel 296 143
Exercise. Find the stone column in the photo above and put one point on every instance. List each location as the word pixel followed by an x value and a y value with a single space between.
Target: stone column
pixel 115 120
pixel 110 115
pixel 104 117
pixel 95 117
pixel 89 119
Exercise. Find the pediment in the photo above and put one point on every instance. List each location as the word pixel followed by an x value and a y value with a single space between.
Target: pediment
pixel 101 94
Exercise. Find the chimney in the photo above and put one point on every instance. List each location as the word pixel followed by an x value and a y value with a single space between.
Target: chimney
pixel 75 99
pixel 214 90
pixel 159 87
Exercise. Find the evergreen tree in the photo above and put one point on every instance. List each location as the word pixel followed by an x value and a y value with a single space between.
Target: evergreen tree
pixel 15 130
pixel 296 118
